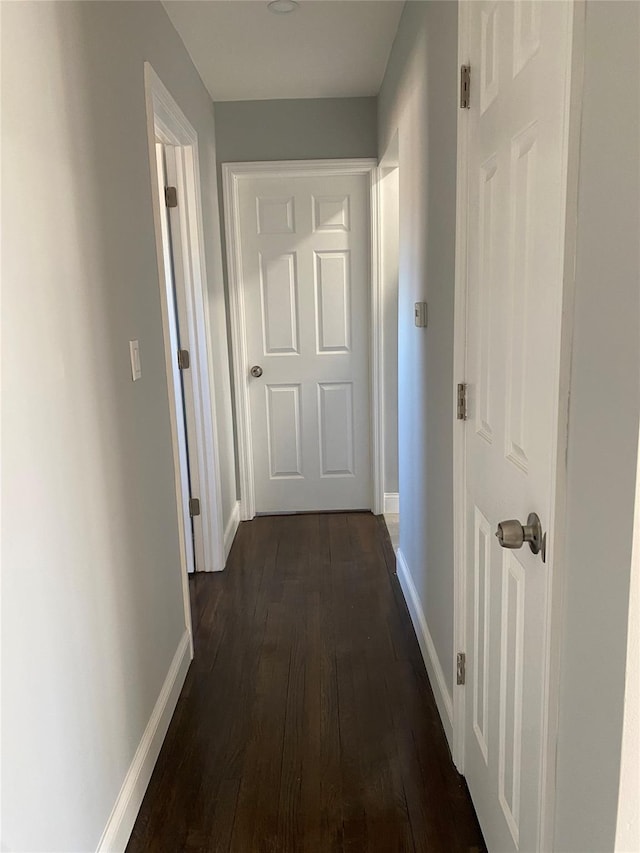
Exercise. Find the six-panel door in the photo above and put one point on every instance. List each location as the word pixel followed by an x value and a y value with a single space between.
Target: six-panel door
pixel 305 277
pixel 520 59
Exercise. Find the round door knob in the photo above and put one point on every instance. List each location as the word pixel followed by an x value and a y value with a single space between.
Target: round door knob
pixel 256 371
pixel 512 534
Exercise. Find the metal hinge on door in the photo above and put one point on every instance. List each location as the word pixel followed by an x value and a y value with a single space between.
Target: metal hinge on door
pixel 461 406
pixel 184 359
pixel 461 668
pixel 465 87
pixel 171 196
pixel 194 507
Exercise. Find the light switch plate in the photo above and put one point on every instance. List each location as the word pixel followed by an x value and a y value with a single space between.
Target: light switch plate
pixel 134 352
pixel 420 314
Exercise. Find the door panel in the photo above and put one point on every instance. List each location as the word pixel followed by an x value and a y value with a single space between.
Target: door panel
pixel 283 426
pixel 275 215
pixel 279 294
pixel 331 213
pixel 335 407
pixel 305 274
pixel 520 59
pixel 481 614
pixel 333 301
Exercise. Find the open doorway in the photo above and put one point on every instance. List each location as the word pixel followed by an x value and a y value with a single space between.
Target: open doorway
pixel 166 158
pixel 390 246
pixel 173 154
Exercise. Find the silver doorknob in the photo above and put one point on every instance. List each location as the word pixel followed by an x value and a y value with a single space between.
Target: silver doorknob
pixel 512 534
pixel 256 371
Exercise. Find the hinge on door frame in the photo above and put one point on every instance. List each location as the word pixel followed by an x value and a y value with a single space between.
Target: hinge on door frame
pixel 465 87
pixel 461 404
pixel 184 359
pixel 171 196
pixel 461 668
pixel 194 507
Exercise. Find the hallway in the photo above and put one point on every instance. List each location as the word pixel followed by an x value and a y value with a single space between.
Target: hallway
pixel 306 722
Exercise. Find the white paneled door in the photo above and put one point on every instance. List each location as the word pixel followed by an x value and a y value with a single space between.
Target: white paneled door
pixel 520 61
pixel 304 248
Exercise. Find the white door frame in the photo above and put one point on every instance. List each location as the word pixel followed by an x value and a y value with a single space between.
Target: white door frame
pixel 167 124
pixel 557 522
pixel 232 174
pixel 628 817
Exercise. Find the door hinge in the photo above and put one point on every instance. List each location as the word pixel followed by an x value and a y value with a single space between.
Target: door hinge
pixel 171 196
pixel 461 406
pixel 465 87
pixel 184 359
pixel 194 507
pixel 461 668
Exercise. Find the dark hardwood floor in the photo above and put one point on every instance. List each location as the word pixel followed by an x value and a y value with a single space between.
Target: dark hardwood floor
pixel 307 722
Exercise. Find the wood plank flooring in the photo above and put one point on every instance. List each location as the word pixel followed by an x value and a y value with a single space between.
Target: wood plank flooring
pixel 307 722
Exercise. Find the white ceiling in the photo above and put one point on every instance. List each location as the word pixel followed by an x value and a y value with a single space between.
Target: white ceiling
pixel 325 49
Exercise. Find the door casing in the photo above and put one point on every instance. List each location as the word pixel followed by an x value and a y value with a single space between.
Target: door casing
pixel 556 536
pixel 167 124
pixel 232 174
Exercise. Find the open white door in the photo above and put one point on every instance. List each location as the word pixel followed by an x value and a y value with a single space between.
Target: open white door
pixel 173 153
pixel 193 548
pixel 520 59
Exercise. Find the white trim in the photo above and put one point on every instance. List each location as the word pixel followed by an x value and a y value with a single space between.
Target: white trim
pixel 123 815
pixel 376 346
pixel 232 173
pixel 556 559
pixel 166 123
pixel 300 168
pixel 231 529
pixel 459 375
pixel 391 503
pixel 555 554
pixel 628 818
pixel 238 343
pixel 179 444
pixel 427 647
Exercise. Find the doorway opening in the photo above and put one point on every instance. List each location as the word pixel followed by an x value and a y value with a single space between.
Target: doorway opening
pixel 173 156
pixel 303 254
pixel 389 191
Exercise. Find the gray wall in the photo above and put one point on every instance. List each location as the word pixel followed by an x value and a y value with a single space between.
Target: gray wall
pixel 92 610
pixel 418 100
pixel 315 128
pixel 603 432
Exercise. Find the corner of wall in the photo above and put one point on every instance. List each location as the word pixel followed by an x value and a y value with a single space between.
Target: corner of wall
pixel 231 529
pixel 125 810
pixel 443 698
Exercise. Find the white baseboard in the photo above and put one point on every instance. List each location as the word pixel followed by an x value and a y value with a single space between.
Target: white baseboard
pixel 429 654
pixel 231 529
pixel 391 503
pixel 122 818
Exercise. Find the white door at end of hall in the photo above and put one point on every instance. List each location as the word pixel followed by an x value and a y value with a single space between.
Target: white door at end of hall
pixel 306 280
pixel 520 64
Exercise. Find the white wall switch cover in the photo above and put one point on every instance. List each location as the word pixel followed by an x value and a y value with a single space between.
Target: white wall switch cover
pixel 134 352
